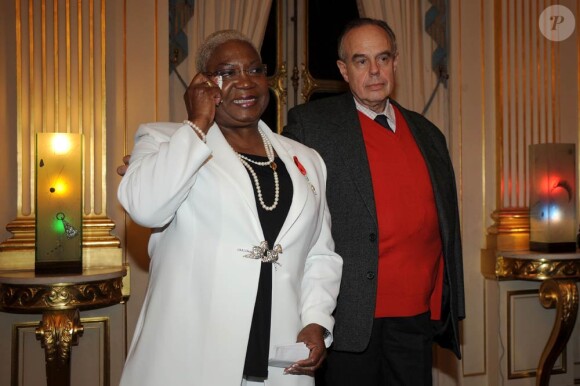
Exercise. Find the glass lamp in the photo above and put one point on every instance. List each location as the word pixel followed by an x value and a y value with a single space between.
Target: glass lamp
pixel 58 203
pixel 553 197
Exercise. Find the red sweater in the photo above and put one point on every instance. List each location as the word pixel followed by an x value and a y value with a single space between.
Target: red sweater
pixel 410 273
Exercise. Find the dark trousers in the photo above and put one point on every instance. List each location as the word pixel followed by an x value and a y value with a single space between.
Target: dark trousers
pixel 399 354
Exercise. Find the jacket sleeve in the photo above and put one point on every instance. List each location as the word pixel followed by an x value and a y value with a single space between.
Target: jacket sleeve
pixel 322 271
pixel 162 170
pixel 294 128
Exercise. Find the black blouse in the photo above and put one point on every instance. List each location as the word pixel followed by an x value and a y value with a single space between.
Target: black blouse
pixel 256 364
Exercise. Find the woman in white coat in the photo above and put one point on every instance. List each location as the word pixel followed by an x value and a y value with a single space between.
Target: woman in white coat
pixel 242 259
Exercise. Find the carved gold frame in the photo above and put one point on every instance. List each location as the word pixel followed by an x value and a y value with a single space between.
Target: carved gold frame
pixel 277 82
pixel 104 321
pixel 59 300
pixel 531 373
pixel 310 85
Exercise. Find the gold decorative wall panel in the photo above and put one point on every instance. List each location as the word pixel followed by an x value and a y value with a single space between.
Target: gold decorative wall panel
pixel 528 103
pixel 527 111
pixel 61 87
pixel 525 337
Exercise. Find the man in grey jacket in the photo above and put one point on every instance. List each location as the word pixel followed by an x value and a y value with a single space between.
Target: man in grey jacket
pixel 395 220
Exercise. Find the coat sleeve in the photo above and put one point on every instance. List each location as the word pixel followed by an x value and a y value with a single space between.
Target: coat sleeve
pixel 162 170
pixel 322 271
pixel 294 128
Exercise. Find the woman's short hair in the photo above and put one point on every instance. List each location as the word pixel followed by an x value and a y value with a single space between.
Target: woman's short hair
pixel 213 41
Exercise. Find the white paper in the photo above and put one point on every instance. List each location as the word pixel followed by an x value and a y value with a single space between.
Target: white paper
pixel 286 355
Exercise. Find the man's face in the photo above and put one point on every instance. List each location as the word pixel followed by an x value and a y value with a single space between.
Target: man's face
pixel 369 65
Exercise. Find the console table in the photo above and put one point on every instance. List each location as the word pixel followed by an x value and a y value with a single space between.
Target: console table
pixel 59 298
pixel 558 273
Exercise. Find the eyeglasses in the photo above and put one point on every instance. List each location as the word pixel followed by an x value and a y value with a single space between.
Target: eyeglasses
pixel 231 73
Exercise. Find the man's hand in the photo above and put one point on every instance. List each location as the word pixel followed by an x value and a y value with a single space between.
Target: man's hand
pixel 313 336
pixel 121 170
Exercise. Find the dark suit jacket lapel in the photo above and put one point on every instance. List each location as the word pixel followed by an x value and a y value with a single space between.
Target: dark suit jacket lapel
pixel 437 166
pixel 348 139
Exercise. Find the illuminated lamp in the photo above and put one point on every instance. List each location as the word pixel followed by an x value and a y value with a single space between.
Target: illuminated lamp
pixel 58 203
pixel 553 197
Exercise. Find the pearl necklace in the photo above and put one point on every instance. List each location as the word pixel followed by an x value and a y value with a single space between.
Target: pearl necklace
pixel 270 154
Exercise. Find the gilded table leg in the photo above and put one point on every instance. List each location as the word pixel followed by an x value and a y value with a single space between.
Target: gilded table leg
pixel 563 295
pixel 58 332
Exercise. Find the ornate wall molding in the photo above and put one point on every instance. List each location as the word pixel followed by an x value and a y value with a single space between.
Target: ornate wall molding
pixel 61 53
pixel 36 298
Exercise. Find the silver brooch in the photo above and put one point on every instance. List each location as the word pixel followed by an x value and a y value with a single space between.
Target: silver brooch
pixel 263 253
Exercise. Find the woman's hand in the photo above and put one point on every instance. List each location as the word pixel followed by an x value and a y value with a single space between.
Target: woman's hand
pixel 313 336
pixel 201 99
pixel 121 170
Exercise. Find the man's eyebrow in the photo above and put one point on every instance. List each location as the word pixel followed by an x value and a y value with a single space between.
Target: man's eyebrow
pixel 357 56
pixel 386 52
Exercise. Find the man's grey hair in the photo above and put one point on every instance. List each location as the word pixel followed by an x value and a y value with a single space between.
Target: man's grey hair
pixel 356 23
pixel 213 41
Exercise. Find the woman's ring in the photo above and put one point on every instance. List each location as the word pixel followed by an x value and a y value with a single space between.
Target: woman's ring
pixel 208 83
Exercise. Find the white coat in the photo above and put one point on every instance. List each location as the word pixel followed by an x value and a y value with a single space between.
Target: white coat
pixel 195 321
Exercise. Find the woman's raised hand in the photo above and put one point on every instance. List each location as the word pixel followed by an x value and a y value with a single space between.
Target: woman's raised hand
pixel 201 99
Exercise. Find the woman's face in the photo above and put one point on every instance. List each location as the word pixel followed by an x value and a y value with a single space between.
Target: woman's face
pixel 245 93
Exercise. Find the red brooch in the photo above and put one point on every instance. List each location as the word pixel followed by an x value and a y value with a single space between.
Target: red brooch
pixel 300 167
pixel 303 171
